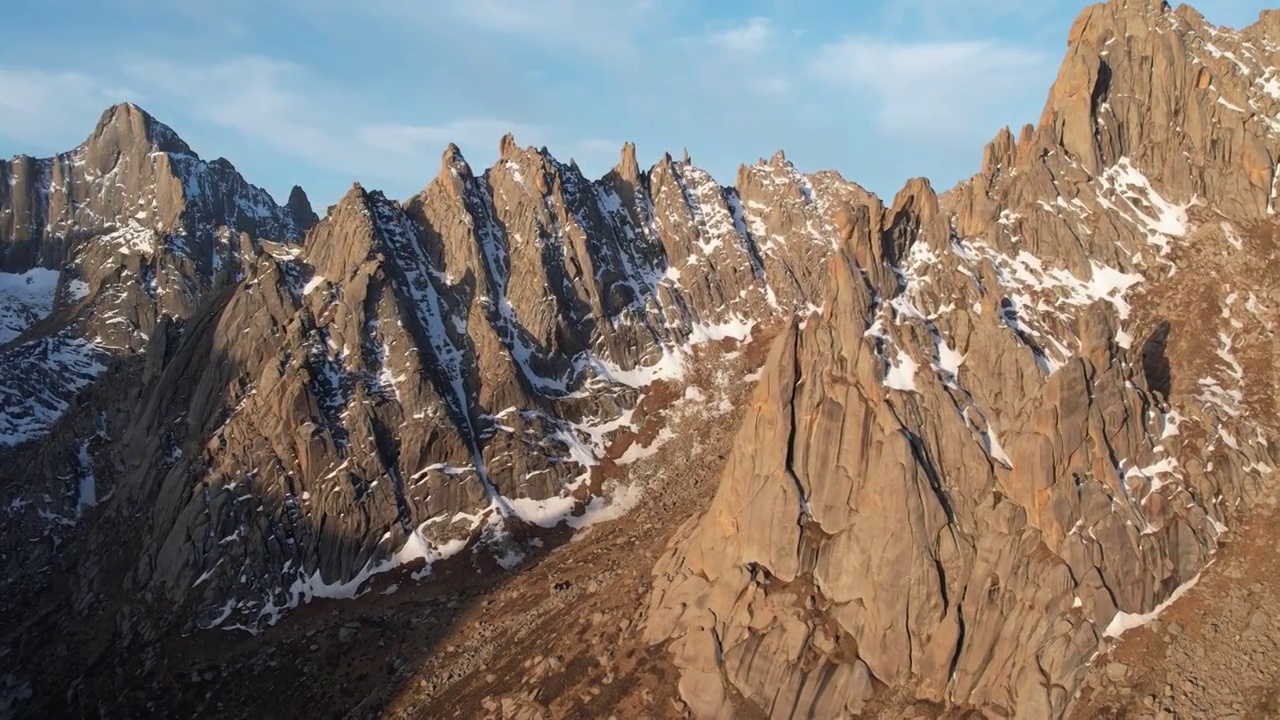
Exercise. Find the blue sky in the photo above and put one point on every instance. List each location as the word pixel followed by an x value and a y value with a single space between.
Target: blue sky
pixel 324 92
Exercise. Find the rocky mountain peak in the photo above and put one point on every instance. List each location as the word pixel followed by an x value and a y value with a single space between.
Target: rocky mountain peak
pixel 1189 105
pixel 1268 23
pixel 628 168
pixel 344 238
pixel 917 201
pixel 127 128
pixel 917 195
pixel 507 147
pixel 453 163
pixel 299 206
pixel 133 172
pixel 354 194
pixel 985 437
pixel 1000 155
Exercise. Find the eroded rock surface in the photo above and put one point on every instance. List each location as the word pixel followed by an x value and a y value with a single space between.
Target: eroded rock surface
pixel 215 417
pixel 957 490
pixel 997 426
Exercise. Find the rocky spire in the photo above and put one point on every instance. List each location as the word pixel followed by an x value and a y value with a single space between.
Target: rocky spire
pixel 452 161
pixel 627 180
pixel 507 147
pixel 1000 155
pixel 627 167
pixel 299 207
pixel 954 476
pixel 126 128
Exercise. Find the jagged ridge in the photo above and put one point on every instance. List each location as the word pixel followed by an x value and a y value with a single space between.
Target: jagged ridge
pixel 422 377
pixel 966 490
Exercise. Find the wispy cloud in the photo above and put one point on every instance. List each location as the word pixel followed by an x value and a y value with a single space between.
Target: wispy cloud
pixel 39 107
pixel 934 89
pixel 426 139
pixel 735 66
pixel 603 30
pixel 952 18
pixel 289 109
pixel 259 97
pixel 751 38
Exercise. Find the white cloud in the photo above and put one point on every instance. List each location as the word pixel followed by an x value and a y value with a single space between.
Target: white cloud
pixel 769 84
pixel 935 89
pixel 591 27
pixel 40 108
pixel 946 18
pixel 595 156
pixel 291 110
pixel 750 38
pixel 473 133
pixel 734 67
pixel 258 97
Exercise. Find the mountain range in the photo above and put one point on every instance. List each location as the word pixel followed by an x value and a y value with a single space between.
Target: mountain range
pixel 977 435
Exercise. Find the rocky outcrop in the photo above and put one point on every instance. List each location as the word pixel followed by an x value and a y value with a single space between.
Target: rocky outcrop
pixel 132 171
pixel 959 486
pixel 410 380
pixel 137 229
pixel 299 208
pixel 866 536
pixel 988 436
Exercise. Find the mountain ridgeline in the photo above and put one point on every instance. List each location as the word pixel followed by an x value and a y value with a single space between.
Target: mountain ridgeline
pixel 995 427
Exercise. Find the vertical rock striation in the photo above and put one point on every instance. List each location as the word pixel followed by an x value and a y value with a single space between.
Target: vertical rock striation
pixel 959 485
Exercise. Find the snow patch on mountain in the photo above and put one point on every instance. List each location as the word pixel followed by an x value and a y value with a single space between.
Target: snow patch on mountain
pixel 77 290
pixel 1124 622
pixel 902 373
pixel 25 299
pixel 132 239
pixel 1043 301
pixel 1128 192
pixel 671 362
pixel 38 380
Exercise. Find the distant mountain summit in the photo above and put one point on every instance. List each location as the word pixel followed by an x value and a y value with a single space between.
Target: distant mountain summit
pixel 133 168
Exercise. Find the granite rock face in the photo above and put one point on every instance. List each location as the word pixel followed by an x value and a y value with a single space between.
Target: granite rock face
pixel 129 228
pixel 293 415
pixel 960 488
pixel 133 171
pixel 998 424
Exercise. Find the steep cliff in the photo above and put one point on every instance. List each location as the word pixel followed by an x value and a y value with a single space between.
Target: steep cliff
pixel 960 490
pixel 997 427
